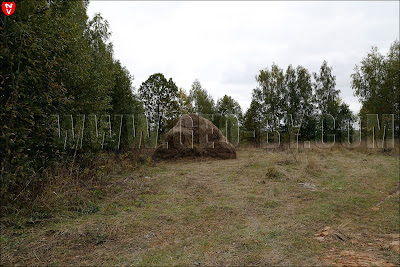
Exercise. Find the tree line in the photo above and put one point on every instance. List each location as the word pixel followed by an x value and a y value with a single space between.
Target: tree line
pixel 55 60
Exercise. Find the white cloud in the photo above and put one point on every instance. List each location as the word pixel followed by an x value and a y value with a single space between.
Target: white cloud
pixel 225 44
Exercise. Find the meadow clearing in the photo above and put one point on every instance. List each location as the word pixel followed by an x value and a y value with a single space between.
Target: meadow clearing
pixel 295 207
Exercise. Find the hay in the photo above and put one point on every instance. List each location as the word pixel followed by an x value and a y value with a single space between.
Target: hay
pixel 195 136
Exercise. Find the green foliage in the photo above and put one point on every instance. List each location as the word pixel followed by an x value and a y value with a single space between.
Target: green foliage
pixel 329 103
pixel 253 117
pixel 326 96
pixel 160 99
pixel 202 101
pixel 281 99
pixel 227 105
pixel 53 61
pixel 229 117
pixel 271 92
pixel 185 105
pixel 376 82
pixel 284 101
pixel 299 101
pixel 123 100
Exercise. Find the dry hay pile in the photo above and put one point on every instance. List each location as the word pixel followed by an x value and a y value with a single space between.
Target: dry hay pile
pixel 195 136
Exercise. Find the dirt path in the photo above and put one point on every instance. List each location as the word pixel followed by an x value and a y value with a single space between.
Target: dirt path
pixel 262 208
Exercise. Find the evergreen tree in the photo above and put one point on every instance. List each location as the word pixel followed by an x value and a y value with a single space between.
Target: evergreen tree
pixel 227 105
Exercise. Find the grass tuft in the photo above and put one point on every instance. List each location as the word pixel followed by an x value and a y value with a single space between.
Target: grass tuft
pixel 272 173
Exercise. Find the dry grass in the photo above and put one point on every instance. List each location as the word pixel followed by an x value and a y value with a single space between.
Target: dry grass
pixel 272 173
pixel 312 166
pixel 262 208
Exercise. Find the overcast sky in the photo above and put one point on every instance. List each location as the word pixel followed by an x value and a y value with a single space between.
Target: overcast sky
pixel 225 44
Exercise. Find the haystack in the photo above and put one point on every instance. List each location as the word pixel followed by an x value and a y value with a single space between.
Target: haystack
pixel 195 136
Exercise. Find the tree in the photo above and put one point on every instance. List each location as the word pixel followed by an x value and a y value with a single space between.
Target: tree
pixel 54 61
pixel 98 80
pixel 229 114
pixel 123 98
pixel 291 101
pixel 35 42
pixel 203 102
pixel 160 99
pixel 298 98
pixel 328 100
pixel 123 102
pixel 326 96
pixel 227 105
pixel 280 94
pixel 185 106
pixel 270 94
pixel 254 118
pixel 376 81
pixel 392 82
pixel 298 91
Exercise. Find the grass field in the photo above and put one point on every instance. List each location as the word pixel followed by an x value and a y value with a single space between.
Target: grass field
pixel 310 207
